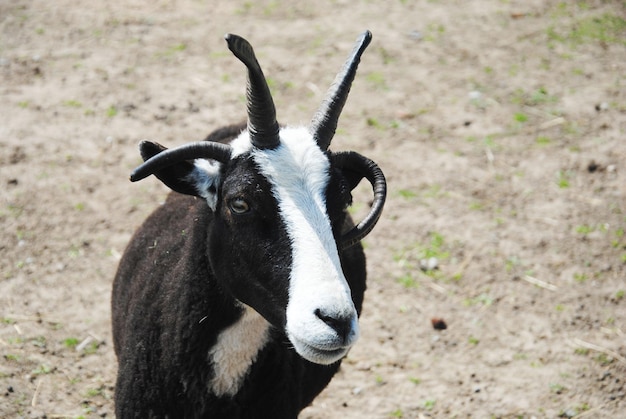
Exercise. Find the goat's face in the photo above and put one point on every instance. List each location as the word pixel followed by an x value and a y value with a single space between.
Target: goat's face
pixel 274 242
pixel 279 207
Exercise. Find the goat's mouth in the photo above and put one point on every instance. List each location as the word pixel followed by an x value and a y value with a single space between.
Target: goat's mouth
pixel 319 354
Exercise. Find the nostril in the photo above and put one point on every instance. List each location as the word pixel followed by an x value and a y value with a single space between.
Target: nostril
pixel 341 325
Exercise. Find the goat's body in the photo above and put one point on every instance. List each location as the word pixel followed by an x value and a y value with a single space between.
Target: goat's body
pixel 168 311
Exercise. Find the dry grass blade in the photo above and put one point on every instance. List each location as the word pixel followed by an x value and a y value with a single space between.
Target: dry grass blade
pixel 598 348
pixel 539 283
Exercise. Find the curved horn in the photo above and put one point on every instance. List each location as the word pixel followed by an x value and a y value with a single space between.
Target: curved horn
pixel 367 168
pixel 191 151
pixel 324 122
pixel 262 124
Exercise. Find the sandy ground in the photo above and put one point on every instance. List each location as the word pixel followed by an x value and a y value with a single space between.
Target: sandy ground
pixel 499 124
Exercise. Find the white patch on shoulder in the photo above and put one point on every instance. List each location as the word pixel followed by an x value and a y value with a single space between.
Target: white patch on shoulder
pixel 236 349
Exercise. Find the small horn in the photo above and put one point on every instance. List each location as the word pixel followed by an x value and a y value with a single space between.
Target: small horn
pixel 262 124
pixel 324 122
pixel 191 151
pixel 369 170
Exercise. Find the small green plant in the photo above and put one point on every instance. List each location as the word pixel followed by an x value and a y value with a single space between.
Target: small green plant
pixel 584 229
pixel 429 404
pixel 415 380
pixel 563 179
pixel 407 193
pixel 72 103
pixel 619 295
pixel 604 359
pixel 42 369
pixel 397 413
pixel 92 348
pixel 70 342
pixel 483 299
pixel 520 117
pixel 111 111
pixel 94 392
pixel 407 281
pixel 582 351
pixel 542 141
pixel 473 340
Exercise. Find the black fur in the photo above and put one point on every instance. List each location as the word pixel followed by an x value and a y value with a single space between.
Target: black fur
pixel 176 289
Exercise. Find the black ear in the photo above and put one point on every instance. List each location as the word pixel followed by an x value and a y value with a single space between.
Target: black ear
pixel 352 177
pixel 178 177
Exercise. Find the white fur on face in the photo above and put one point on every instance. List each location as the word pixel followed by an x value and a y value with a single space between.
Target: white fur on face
pixel 236 349
pixel 206 178
pixel 299 173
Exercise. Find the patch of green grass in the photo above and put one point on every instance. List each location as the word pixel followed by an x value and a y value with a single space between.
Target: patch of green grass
pixel 619 295
pixel 473 340
pixel 582 351
pixel 70 342
pixel 397 413
pixel 12 357
pixel 483 299
pixel 72 103
pixel 604 359
pixel 411 258
pixel 111 111
pixel 605 29
pixel 542 140
pixel 580 277
pixel 94 392
pixel 407 193
pixel 534 98
pixel 563 179
pixel 585 229
pixel 429 404
pixel 407 281
pixel 92 348
pixel 42 370
pixel 520 117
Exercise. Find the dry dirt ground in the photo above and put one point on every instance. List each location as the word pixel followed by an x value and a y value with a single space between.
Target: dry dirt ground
pixel 500 125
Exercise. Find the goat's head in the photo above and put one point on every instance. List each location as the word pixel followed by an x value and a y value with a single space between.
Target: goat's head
pixel 279 199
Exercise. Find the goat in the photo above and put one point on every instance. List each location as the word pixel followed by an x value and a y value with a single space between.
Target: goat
pixel 239 296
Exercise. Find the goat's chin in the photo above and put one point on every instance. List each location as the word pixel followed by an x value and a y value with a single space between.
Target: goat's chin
pixel 323 356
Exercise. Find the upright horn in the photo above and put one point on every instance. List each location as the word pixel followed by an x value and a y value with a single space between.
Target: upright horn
pixel 324 122
pixel 262 124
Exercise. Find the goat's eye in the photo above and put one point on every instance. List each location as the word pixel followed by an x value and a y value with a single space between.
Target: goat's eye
pixel 239 206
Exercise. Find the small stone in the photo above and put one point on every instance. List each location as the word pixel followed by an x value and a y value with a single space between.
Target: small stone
pixel 429 264
pixel 438 323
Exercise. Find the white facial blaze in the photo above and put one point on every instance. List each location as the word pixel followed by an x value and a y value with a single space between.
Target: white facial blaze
pixel 299 173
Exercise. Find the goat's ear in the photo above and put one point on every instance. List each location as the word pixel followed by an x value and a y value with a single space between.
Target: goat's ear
pixel 200 178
